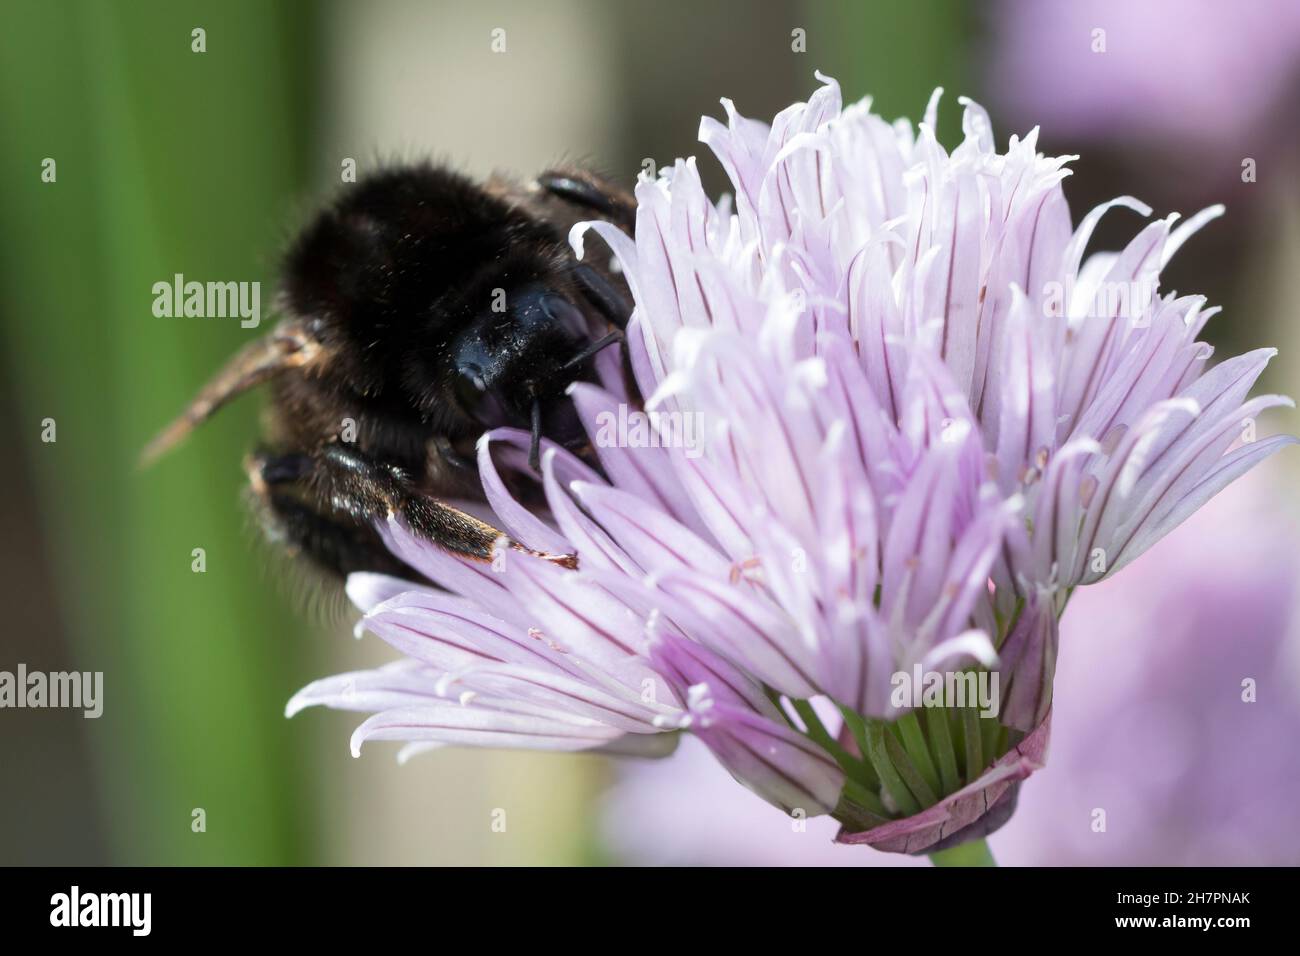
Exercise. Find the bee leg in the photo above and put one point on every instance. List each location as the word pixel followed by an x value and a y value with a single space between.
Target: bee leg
pixel 600 292
pixel 616 310
pixel 369 491
pixel 535 439
pixel 293 520
pixel 582 188
pixel 358 489
pixel 448 454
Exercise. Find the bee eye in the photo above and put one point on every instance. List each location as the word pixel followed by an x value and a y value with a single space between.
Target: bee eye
pixel 503 363
pixel 469 387
pixel 479 400
pixel 563 316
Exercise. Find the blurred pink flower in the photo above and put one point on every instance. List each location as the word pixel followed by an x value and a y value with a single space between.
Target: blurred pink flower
pixel 1178 73
pixel 1185 770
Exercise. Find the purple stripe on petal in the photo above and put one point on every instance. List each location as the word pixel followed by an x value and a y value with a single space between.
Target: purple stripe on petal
pixel 523 526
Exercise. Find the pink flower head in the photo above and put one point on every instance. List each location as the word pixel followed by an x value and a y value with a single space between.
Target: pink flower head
pixel 898 415
pixel 1178 706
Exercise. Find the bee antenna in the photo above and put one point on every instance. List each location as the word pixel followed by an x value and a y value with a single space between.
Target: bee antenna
pixel 598 345
pixel 289 346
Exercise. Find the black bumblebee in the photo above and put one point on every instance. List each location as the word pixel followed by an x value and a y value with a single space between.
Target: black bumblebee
pixel 421 309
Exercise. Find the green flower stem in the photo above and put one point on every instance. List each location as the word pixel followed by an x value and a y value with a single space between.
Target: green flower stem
pixel 859 808
pixel 878 754
pixel 858 728
pixel 923 792
pixel 975 853
pixel 936 721
pixel 819 735
pixel 909 727
pixel 990 735
pixel 970 724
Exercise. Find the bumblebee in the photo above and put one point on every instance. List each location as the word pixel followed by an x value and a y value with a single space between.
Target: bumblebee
pixel 419 310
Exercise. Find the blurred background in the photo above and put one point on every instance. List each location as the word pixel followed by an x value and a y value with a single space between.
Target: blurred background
pixel 173 161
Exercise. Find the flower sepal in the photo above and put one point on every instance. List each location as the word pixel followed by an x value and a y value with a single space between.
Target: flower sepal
pixel 970 813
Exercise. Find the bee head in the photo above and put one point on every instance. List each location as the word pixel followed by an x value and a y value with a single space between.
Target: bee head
pixel 511 365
